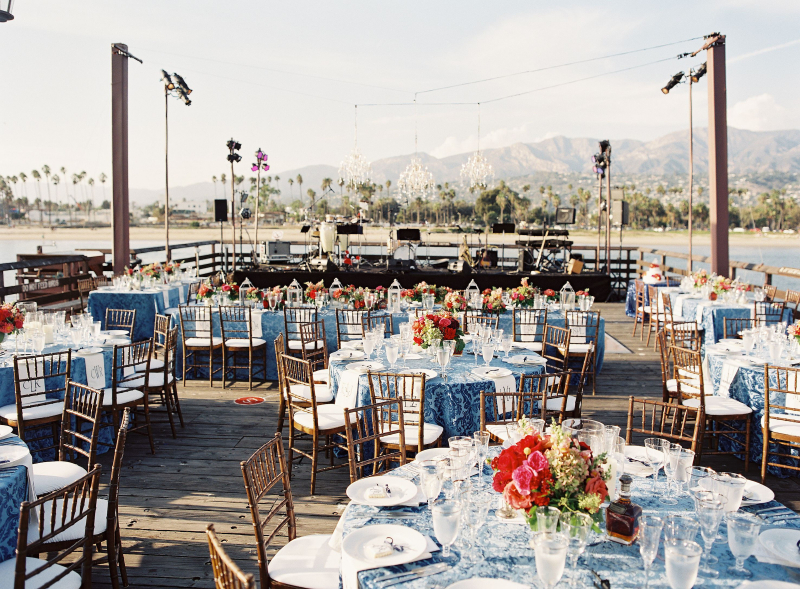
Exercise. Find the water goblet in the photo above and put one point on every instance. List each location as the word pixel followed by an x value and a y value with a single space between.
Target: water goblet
pixel 682 561
pixel 369 344
pixel 655 457
pixel 505 344
pixel 446 522
pixel 77 335
pixel 547 519
pixel 743 531
pixel 649 539
pixel 482 448
pixel 488 353
pixel 442 359
pixel 678 526
pixel 551 555
pixel 391 353
pixel 671 453
pixel 576 527
pixel 37 339
pixel 684 459
pixel 711 508
pixel 430 480
pixel 731 486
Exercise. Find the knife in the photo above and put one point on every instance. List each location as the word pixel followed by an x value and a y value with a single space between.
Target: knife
pixel 413 574
pixel 784 519
pixel 760 511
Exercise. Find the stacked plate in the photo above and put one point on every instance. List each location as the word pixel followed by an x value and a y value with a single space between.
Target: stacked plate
pixel 526 360
pixel 491 372
pixel 397 490
pixel 347 355
pixel 364 367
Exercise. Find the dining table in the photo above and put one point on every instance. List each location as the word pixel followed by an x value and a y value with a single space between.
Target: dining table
pixel 630 297
pixel 502 550
pixel 16 486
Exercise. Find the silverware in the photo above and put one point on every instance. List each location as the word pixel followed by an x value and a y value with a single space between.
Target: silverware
pixel 599 581
pixel 760 511
pixel 413 571
pixel 395 516
pixel 388 490
pixel 418 575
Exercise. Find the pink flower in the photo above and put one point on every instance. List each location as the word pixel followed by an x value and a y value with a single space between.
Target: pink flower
pixel 537 461
pixel 522 477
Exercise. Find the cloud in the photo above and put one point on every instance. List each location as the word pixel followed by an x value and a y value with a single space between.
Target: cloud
pixel 761 113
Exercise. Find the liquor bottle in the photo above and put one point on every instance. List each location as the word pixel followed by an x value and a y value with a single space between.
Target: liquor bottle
pixel 622 515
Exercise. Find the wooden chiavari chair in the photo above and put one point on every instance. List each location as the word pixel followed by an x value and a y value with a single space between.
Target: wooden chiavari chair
pixel 160 332
pixel 780 425
pixel 227 575
pixel 74 507
pixel 349 326
pixel 734 326
pixel 85 286
pixel 553 397
pixel 316 355
pixel 555 348
pixel 198 338
pixel 684 339
pixel 501 410
pixel 640 314
pixel 309 419
pixel 293 318
pixel 419 434
pixel 769 312
pixel 584 329
pixel 307 561
pixel 648 418
pixel 162 384
pixel 472 318
pixel 83 407
pixel 655 313
pixel 674 325
pixel 192 296
pixel 279 351
pixel 527 327
pixel 719 414
pixel 372 321
pixel 793 298
pixel 236 325
pixel 365 447
pixel 121 319
pixel 102 281
pixel 770 292
pixel 40 384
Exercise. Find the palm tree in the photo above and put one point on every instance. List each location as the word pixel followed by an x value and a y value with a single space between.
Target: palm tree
pixel 23 177
pixel 91 184
pixel 38 177
pixel 56 180
pixel 388 189
pixel 312 197
pixel 224 179
pixel 214 180
pixel 326 183
pixel 103 179
pixel 300 185
pixel 46 172
pixel 291 183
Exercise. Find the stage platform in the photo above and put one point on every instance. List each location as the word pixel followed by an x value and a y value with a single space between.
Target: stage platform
pixel 599 285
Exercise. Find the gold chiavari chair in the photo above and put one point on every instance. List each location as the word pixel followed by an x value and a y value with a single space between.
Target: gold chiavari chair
pixel 504 409
pixel 198 338
pixel 584 329
pixel 769 312
pixel 793 298
pixel 640 315
pixel 734 326
pixel 85 286
pixel 675 325
pixel 553 397
pixel 121 319
pixel 655 313
pixel 648 418
pixel 528 326
pixel 349 326
pixel 236 326
pixel 780 426
pixel 365 447
pixel 372 320
pixel 293 318
pixel 770 292
pixel 555 348
pixel 316 355
pixel 472 318
pixel 227 575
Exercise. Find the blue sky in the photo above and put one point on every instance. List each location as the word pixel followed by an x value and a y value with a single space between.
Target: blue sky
pixel 285 76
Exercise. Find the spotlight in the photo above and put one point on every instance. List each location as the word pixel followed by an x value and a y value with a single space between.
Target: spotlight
pixel 182 83
pixel 699 73
pixel 165 76
pixel 599 158
pixel 245 213
pixel 605 147
pixel 233 145
pixel 183 95
pixel 234 157
pixel 673 81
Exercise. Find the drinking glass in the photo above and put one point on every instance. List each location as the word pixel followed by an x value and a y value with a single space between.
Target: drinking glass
pixel 682 561
pixel 649 539
pixel 700 479
pixel 731 486
pixel 743 531
pixel 482 448
pixel 369 344
pixel 391 353
pixel 678 526
pixel 711 508
pixel 446 522
pixel 476 508
pixel 37 337
pixel 551 554
pixel 505 344
pixel 477 339
pixel 576 527
pixel 671 453
pixel 405 348
pixel 77 335
pixel 458 455
pixel 488 353
pixel 684 458
pixel 547 519
pixel 655 457
pixel 430 479
pixel 611 437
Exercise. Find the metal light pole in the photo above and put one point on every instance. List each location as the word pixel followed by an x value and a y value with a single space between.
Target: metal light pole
pixel 608 207
pixel 6 7
pixel 179 89
pixel 261 163
pixel 599 217
pixel 233 147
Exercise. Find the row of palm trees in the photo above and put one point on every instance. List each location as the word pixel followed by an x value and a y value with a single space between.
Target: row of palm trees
pixel 15 193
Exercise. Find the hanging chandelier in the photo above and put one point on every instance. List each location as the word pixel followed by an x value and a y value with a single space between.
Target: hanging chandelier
pixel 477 170
pixel 416 180
pixel 355 170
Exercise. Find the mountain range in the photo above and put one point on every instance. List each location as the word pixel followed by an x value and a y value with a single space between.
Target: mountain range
pixel 749 152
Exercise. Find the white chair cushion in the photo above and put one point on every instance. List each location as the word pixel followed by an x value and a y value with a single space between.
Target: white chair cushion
pixel 677 325
pixel 646 308
pixel 322 392
pixel 296 344
pixel 672 385
pixel 307 562
pixel 201 342
pixel 328 417
pixel 498 431
pixel 719 406
pixel 241 342
pixel 38 412
pixel 75 531
pixel 70 581
pixel 579 348
pixel 157 380
pixel 430 433
pixel 532 346
pixel 554 404
pixel 322 375
pixel 125 396
pixel 155 364
pixel 780 426
pixel 56 474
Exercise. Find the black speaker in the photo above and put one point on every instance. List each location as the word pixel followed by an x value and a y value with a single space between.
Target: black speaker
pixel 408 235
pixel 350 229
pixel 400 265
pixel 459 267
pixel 503 228
pixel 565 216
pixel 525 261
pixel 220 210
pixel 619 212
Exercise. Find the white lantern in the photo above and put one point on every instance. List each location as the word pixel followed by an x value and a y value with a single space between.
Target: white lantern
pixel 243 288
pixel 294 294
pixel 472 292
pixel 567 297
pixel 395 294
pixel 334 290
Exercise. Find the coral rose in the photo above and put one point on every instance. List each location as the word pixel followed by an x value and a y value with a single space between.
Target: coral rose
pixel 515 499
pixel 595 485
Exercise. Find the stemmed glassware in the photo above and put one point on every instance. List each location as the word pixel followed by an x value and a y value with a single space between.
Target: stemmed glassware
pixel 431 480
pixel 476 508
pixel 369 344
pixel 711 508
pixel 671 454
pixel 576 527
pixel 655 457
pixel 505 344
pixel 487 350
pixel 649 539
pixel 551 555
pixel 743 531
pixel 682 560
pixel 37 338
pixel 482 449
pixel 391 353
pixel 446 522
pixel 678 526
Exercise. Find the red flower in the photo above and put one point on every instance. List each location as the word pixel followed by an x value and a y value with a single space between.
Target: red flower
pixel 226 288
pixel 549 293
pixel 418 341
pixel 500 480
pixel 488 291
pixel 431 317
pixel 597 486
pixel 444 322
pixel 312 294
pixel 449 333
pixel 516 499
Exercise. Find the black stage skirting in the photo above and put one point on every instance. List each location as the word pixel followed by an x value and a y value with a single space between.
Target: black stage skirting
pixel 599 285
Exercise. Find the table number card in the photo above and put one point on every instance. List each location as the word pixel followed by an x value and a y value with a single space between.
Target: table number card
pixel 255 321
pixel 29 369
pixel 95 371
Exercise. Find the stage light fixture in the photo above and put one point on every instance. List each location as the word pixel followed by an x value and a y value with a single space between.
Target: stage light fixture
pixel 699 73
pixel 673 81
pixel 183 95
pixel 6 9
pixel 605 147
pixel 167 80
pixel 182 83
pixel 245 213
pixel 233 145
pixel 234 157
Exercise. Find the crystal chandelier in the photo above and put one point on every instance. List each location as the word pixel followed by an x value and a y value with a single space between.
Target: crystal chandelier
pixel 477 169
pixel 355 170
pixel 416 180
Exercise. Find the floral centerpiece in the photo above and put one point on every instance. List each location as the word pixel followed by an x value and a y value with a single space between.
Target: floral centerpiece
pixel 414 295
pixel 551 295
pixel 454 302
pixel 275 291
pixel 172 268
pixel 794 331
pixel 231 290
pixel 205 292
pixel 699 278
pixel 128 271
pixel 582 293
pixel 254 294
pixel 312 290
pixel 720 285
pixel 493 301
pixel 11 319
pixel 555 470
pixel 356 296
pixel 151 270
pixel 523 295
pixel 436 327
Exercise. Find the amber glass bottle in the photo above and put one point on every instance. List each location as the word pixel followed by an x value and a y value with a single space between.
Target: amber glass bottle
pixel 622 515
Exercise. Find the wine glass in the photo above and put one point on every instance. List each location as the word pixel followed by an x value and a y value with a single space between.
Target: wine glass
pixel 391 353
pixel 505 344
pixel 77 335
pixel 430 479
pixel 547 519
pixel 678 526
pixel 576 527
pixel 743 531
pixel 369 344
pixel 711 508
pixel 405 348
pixel 655 457
pixel 488 353
pixel 37 337
pixel 682 561
pixel 551 555
pixel 482 448
pixel 649 538
pixel 476 508
pixel 446 522
pixel 671 453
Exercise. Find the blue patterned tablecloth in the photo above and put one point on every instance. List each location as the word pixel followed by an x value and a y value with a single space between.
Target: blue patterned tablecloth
pixel 13 491
pixel 455 404
pixel 146 303
pixel 77 374
pixel 503 551
pixel 630 298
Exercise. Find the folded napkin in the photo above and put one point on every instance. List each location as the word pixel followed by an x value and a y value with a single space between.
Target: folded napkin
pixel 504 384
pixel 351 567
pixel 165 294
pixel 255 318
pixel 182 289
pixel 347 392
pixel 95 371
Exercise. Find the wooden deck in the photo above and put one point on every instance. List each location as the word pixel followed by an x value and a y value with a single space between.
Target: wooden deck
pixel 167 499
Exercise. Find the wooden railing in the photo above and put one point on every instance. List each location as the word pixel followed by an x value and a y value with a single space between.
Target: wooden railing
pixel 47 280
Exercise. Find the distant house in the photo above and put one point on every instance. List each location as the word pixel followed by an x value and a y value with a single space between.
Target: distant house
pixel 273 218
pixel 190 208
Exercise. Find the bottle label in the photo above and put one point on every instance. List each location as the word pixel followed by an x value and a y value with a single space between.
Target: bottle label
pixel 617 508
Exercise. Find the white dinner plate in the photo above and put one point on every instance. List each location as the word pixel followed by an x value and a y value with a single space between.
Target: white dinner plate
pixel 782 542
pixel 484 582
pixel 768 585
pixel 759 493
pixel 491 372
pixel 89 351
pixel 118 341
pixel 466 337
pixel 5 431
pixel 415 304
pixel 353 345
pixel 637 469
pixel 413 543
pixel 431 454
pixel 115 332
pixel 413 357
pixel 402 490
pixel 13 455
pixel 348 355
pixel 527 359
pixel 426 371
pixel 363 367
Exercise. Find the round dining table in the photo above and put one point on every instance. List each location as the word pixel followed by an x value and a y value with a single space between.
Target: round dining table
pixel 14 490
